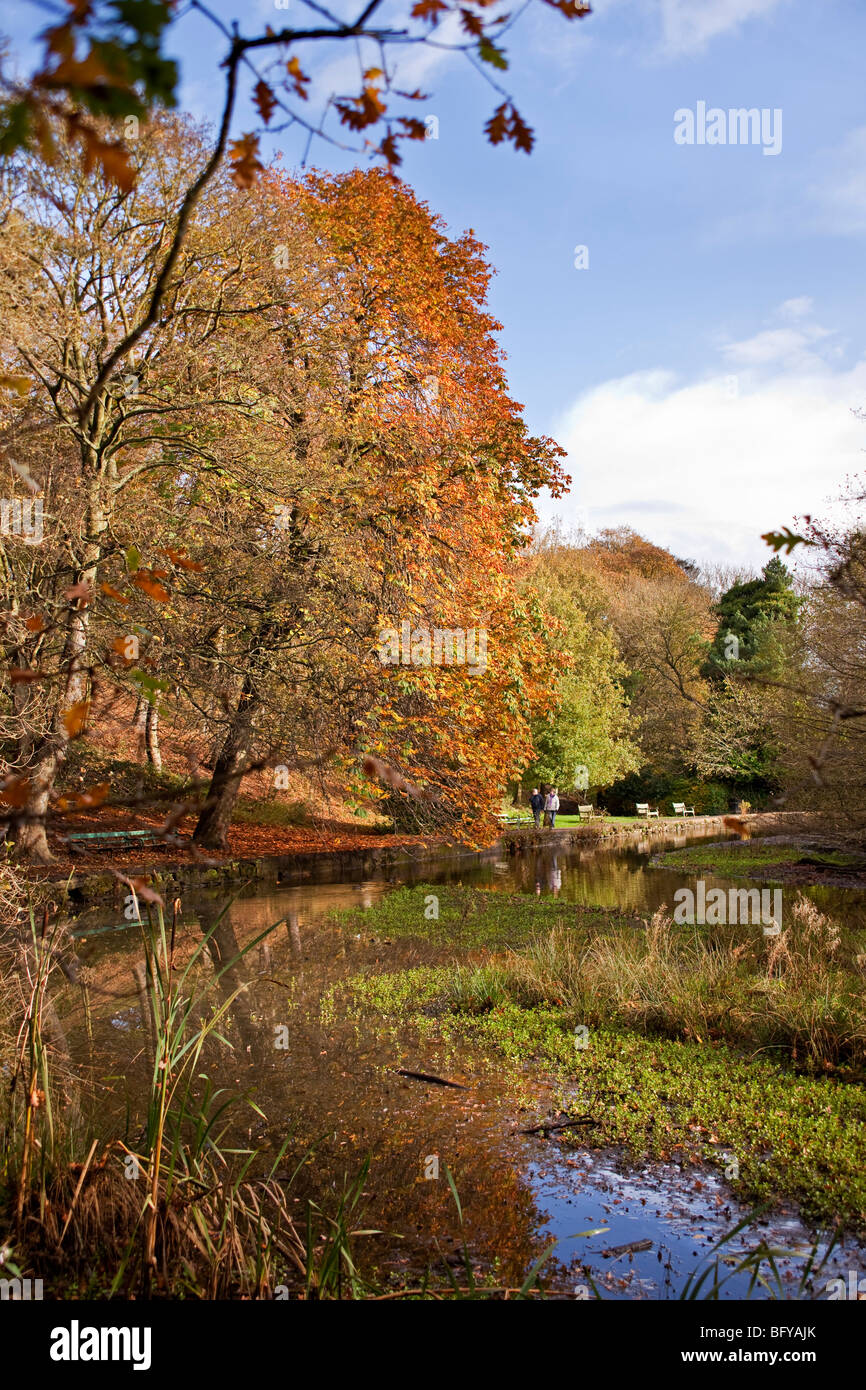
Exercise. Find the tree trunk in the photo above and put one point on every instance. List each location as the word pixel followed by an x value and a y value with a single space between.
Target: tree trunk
pixel 139 724
pixel 212 829
pixel 31 840
pixel 151 737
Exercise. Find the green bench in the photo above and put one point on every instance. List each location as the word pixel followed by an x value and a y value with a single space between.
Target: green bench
pixel 112 839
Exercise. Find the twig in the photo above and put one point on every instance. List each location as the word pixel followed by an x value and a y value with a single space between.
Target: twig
pixel 435 1080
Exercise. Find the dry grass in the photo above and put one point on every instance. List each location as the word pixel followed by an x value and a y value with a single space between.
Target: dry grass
pixel 802 992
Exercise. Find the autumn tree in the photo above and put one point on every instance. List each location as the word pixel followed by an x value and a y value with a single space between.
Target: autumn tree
pixel 104 71
pixel 78 263
pixel 661 617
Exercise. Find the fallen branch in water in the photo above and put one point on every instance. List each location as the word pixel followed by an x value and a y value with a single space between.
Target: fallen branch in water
pixel 631 1249
pixel 564 1124
pixel 434 1080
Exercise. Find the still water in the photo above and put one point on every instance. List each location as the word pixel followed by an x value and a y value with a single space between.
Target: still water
pixel 335 1092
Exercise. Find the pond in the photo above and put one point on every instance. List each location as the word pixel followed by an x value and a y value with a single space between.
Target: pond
pixel 335 1092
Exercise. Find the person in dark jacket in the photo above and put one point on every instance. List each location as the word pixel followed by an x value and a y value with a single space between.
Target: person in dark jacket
pixel 536 801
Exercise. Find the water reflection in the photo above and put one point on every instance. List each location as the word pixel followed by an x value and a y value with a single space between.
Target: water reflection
pixel 333 1089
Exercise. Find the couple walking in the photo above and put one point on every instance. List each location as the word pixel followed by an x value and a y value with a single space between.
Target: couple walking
pixel 549 804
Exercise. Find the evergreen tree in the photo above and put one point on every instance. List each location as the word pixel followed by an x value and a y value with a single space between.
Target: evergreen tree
pixel 753 621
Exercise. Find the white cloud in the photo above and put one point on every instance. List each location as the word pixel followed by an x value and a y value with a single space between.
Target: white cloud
pixel 688 26
pixel 783 347
pixel 704 466
pixel 797 308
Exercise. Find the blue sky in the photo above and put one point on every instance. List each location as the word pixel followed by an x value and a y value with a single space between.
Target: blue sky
pixel 703 370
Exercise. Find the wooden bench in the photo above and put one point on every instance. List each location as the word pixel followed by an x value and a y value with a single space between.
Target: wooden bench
pixel 586 812
pixel 517 819
pixel 643 809
pixel 80 840
pixel 681 809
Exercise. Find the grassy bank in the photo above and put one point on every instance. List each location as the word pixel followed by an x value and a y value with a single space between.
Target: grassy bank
pixel 700 1044
pixel 767 861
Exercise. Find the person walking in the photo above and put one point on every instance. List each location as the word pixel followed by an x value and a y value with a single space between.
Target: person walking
pixel 536 801
pixel 548 807
pixel 554 806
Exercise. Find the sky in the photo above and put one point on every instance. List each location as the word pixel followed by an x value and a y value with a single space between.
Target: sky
pixel 703 358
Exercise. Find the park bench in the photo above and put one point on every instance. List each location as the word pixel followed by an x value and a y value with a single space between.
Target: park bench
pixel 81 840
pixel 519 818
pixel 643 809
pixel 586 812
pixel 681 809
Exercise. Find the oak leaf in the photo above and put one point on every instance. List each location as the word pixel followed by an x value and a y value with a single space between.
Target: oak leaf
pixel 265 101
pixel 246 165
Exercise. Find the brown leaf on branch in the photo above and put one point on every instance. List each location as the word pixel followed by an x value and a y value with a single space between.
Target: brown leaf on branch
pixel 362 111
pixel 428 9
pixel 141 889
pixel 19 675
pixel 520 132
pixel 571 9
pixel 506 123
pixel 178 557
pixel 94 796
pixel 15 791
pixel 497 126
pixel 111 156
pixel 120 645
pixel 246 165
pixel 80 590
pixel 75 718
pixel 264 100
pixel 414 129
pixel 388 148
pixel 148 581
pixel 293 68
pixel 114 593
pixel 472 23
